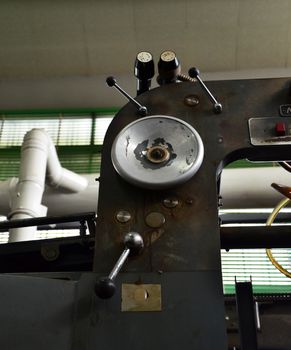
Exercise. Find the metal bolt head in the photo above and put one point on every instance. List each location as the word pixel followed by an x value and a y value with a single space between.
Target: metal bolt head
pixel 158 154
pixel 142 111
pixel 170 202
pixel 217 107
pixel 191 100
pixel 155 220
pixel 123 216
pixel 189 201
pixel 50 252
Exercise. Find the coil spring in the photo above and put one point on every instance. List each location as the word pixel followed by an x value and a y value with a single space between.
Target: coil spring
pixel 185 77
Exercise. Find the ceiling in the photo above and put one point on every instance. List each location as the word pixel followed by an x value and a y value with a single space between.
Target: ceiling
pixel 42 39
pixel 66 39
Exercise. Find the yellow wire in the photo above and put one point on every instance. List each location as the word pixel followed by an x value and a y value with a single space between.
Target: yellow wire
pixel 269 222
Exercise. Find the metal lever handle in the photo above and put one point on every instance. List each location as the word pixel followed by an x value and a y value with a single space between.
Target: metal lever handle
pixel 111 82
pixel 105 286
pixel 194 73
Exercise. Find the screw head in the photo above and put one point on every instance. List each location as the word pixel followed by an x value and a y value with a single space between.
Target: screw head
pixel 50 252
pixel 123 216
pixel 191 100
pixel 170 202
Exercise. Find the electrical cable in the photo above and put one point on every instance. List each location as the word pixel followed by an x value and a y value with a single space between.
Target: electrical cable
pixel 269 222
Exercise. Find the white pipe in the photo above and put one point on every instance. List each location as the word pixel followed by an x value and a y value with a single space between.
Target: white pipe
pixel 59 177
pixel 58 201
pixel 251 187
pixel 38 157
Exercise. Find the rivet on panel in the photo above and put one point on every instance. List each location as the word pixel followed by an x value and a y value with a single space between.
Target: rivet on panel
pixel 123 216
pixel 191 100
pixel 155 220
pixel 170 202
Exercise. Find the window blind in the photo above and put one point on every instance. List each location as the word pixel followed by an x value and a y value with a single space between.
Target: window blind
pixel 78 139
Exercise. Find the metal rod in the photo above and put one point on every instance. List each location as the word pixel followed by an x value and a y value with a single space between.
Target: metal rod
pixel 257 314
pixel 111 81
pixel 194 73
pixel 117 267
pixel 255 237
pixel 46 220
pixel 213 99
pixel 127 95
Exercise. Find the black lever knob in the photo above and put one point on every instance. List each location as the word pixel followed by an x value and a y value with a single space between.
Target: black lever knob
pixel 105 286
pixel 144 70
pixel 111 82
pixel 194 73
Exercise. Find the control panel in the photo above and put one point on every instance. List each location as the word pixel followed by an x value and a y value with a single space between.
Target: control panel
pixel 270 131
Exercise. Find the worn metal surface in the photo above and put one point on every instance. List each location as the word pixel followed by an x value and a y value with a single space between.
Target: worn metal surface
pixel 189 240
pixel 183 322
pixel 60 311
pixel 275 321
pixel 36 313
pixel 141 297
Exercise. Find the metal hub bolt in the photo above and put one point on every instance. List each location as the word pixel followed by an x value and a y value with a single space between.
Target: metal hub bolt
pixel 158 154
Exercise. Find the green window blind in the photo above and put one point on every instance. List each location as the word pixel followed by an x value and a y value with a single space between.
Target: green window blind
pixel 246 264
pixel 78 139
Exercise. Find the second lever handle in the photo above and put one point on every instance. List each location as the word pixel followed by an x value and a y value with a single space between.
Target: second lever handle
pixel 105 286
pixel 194 73
pixel 111 82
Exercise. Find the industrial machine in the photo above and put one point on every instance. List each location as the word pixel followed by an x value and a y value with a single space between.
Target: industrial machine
pixel 158 222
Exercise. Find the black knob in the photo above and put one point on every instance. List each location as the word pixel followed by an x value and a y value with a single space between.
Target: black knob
pixel 105 288
pixel 110 81
pixel 193 72
pixel 169 68
pixel 144 68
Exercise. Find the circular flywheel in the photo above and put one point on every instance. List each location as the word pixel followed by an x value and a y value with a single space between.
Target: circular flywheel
pixel 157 152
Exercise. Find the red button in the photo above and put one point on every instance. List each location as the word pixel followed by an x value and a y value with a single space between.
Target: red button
pixel 280 129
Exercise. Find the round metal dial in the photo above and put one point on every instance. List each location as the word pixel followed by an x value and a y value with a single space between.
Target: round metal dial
pixel 157 152
pixel 144 57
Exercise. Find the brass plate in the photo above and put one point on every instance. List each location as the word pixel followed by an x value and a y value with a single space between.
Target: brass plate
pixel 141 297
